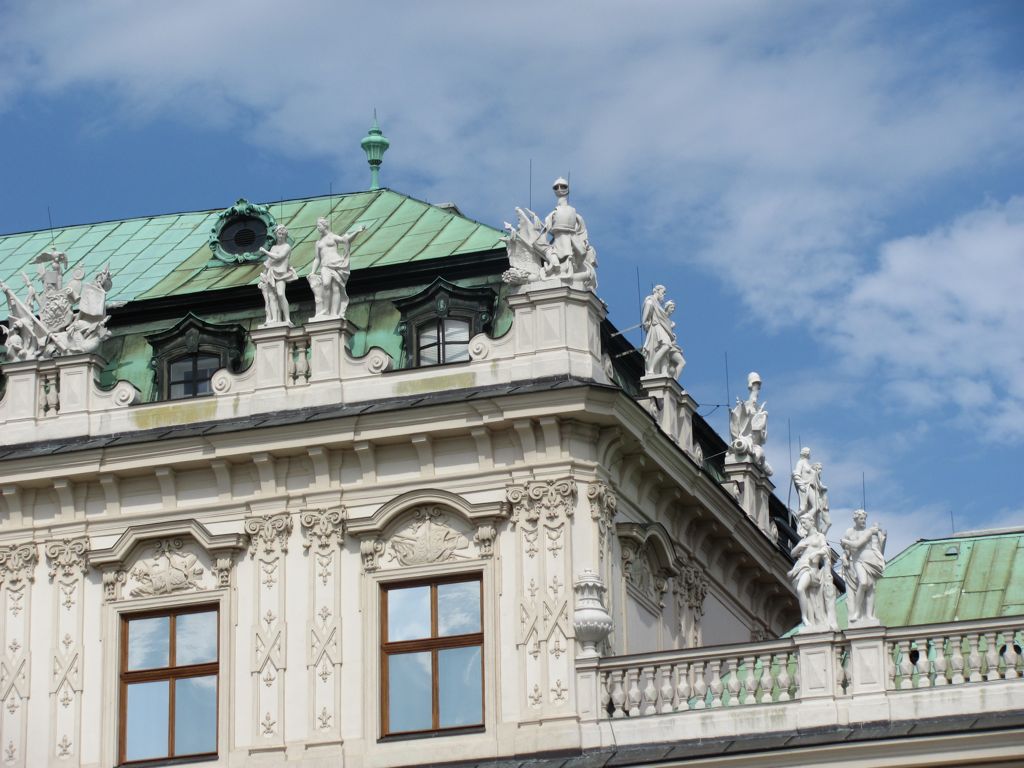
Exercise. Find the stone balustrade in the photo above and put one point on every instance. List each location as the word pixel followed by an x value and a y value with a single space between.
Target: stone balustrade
pixel 815 681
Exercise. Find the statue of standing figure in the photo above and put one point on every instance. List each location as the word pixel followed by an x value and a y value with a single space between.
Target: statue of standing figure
pixel 277 273
pixel 748 427
pixel 811 491
pixel 863 565
pixel 811 576
pixel 567 255
pixel 329 273
pixel 661 351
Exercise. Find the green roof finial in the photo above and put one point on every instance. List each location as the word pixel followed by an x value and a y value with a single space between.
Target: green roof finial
pixel 375 144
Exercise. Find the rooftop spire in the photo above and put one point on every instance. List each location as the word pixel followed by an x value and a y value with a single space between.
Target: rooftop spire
pixel 374 144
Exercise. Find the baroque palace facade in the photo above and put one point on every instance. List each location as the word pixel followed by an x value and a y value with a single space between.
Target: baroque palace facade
pixel 424 507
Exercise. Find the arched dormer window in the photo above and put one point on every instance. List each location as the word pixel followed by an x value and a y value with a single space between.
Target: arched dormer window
pixel 186 356
pixel 438 322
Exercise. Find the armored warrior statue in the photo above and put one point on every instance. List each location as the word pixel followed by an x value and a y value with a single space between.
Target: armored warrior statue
pixel 277 273
pixel 59 329
pixel 661 352
pixel 863 565
pixel 329 273
pixel 567 255
pixel 748 427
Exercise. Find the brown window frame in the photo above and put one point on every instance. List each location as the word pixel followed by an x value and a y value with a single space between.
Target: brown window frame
pixel 433 644
pixel 170 673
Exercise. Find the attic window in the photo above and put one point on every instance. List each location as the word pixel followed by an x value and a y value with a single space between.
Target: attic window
pixel 186 356
pixel 240 231
pixel 438 322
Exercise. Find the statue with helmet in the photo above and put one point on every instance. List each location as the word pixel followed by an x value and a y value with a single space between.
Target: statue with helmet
pixel 748 427
pixel 557 247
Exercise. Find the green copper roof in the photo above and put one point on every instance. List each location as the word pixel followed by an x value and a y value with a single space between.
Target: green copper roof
pixel 168 255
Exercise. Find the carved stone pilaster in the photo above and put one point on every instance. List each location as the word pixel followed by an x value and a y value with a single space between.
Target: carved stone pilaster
pixel 603 505
pixel 68 560
pixel 17 566
pixel 268 546
pixel 690 590
pixel 540 513
pixel 323 533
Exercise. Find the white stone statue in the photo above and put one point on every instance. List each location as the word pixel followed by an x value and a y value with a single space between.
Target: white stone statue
pixel 863 565
pixel 811 576
pixel 661 351
pixel 812 492
pixel 277 273
pixel 60 328
pixel 329 273
pixel 568 253
pixel 748 427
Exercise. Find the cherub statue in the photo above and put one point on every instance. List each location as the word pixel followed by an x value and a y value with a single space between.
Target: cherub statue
pixel 277 273
pixel 329 273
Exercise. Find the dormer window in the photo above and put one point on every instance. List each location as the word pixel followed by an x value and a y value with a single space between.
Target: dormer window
pixel 186 356
pixel 438 322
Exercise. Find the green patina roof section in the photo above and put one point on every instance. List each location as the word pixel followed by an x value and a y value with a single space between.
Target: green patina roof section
pixel 168 255
pixel 924 585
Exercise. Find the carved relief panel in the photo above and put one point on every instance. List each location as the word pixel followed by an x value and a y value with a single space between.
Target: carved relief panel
pixel 17 572
pixel 541 512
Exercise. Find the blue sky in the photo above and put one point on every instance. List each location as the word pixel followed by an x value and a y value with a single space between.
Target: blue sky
pixel 833 193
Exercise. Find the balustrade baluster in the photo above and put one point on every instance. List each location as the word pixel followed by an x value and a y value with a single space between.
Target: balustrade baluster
pixel 1010 655
pixel 700 688
pixel 667 689
pixel 682 672
pixel 891 650
pixel 649 692
pixel 782 659
pixel 750 682
pixel 290 362
pixel 923 664
pixel 618 695
pixel 302 363
pixel 973 658
pixel 716 685
pixel 733 673
pixel 956 659
pixel 939 663
pixel 906 667
pixel 767 680
pixel 632 692
pixel 991 656
pixel 606 694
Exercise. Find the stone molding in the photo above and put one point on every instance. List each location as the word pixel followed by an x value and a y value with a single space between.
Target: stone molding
pixel 648 561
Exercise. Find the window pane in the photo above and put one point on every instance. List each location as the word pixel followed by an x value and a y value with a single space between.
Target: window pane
pixel 408 613
pixel 458 608
pixel 456 330
pixel 178 391
pixel 146 720
pixel 409 692
pixel 196 638
pixel 428 335
pixel 181 369
pixel 428 355
pixel 149 642
pixel 456 353
pixel 207 365
pixel 195 715
pixel 461 692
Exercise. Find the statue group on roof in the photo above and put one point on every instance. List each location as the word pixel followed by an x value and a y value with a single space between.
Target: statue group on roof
pixel 557 247
pixel 61 319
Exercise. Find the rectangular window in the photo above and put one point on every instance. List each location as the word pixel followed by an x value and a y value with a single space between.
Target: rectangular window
pixel 444 340
pixel 169 675
pixel 432 656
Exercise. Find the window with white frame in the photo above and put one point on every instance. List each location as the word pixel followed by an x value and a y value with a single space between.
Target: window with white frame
pixel 432 648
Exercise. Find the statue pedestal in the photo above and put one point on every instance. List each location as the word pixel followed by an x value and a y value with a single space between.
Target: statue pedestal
pixel 327 342
pixel 271 357
pixel 672 407
pixel 753 489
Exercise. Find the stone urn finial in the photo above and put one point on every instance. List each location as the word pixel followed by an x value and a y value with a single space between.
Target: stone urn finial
pixel 591 620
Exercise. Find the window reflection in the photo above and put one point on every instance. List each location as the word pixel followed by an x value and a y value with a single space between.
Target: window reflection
pixel 195 638
pixel 458 608
pixel 195 715
pixel 409 692
pixel 149 643
pixel 460 682
pixel 147 720
pixel 408 613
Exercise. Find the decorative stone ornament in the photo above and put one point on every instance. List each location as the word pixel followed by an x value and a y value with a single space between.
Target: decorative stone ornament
pixel 812 492
pixel 59 329
pixel 863 565
pixel 591 620
pixel 329 273
pixel 811 576
pixel 241 232
pixel 277 273
pixel 748 427
pixel 662 355
pixel 567 255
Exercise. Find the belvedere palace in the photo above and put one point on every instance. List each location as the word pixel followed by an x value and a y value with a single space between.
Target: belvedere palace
pixel 355 480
